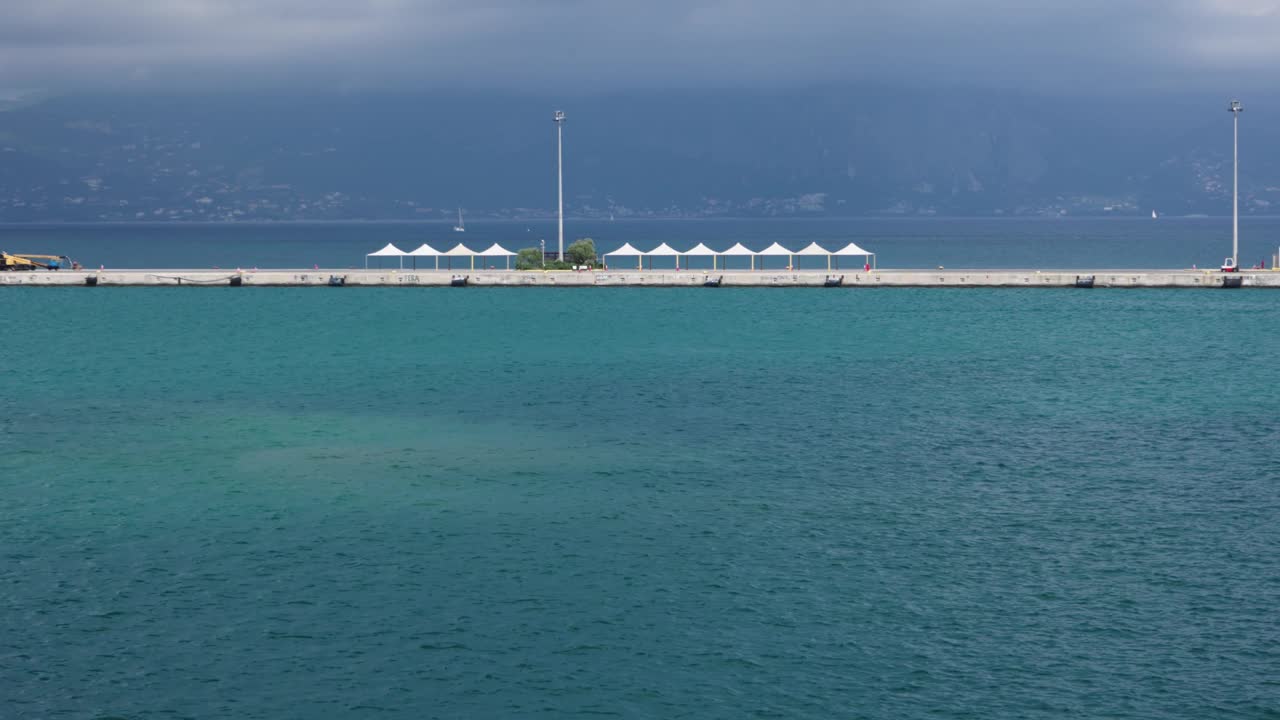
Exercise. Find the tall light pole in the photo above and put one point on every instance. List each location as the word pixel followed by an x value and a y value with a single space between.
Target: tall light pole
pixel 1235 108
pixel 559 121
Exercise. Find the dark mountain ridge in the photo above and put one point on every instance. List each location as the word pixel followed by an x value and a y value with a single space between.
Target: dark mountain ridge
pixel 818 151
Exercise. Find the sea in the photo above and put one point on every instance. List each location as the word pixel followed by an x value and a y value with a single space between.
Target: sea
pixel 640 502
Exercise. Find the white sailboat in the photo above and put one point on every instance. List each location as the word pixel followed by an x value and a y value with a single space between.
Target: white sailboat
pixel 460 227
pixel 1154 215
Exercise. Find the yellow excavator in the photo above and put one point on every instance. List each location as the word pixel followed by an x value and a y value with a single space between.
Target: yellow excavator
pixel 36 262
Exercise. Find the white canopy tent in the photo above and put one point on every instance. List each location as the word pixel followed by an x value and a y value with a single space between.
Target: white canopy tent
pixel 424 251
pixel 814 248
pixel 701 250
pixel 773 250
pixel 460 250
pixel 388 251
pixel 739 249
pixel 498 250
pixel 626 249
pixel 853 249
pixel 663 250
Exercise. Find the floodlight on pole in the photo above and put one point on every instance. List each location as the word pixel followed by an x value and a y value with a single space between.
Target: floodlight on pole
pixel 1235 108
pixel 559 119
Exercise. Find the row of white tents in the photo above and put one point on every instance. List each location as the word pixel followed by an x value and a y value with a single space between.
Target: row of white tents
pixel 663 250
pixel 739 250
pixel 426 250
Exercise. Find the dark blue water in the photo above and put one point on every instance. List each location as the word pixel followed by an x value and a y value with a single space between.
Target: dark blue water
pixel 899 243
pixel 639 503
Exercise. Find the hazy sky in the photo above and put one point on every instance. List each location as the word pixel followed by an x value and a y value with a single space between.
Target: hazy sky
pixel 592 45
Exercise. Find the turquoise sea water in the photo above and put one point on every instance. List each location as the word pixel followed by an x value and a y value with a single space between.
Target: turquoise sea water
pixel 293 503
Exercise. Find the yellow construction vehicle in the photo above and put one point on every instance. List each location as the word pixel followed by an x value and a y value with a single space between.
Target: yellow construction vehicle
pixel 36 262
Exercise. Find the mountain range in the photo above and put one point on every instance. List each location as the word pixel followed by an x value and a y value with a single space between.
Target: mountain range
pixel 838 151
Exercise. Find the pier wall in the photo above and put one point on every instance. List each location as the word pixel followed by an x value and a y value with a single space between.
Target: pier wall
pixel 633 278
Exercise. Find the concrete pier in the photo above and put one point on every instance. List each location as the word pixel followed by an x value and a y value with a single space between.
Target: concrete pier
pixel 648 278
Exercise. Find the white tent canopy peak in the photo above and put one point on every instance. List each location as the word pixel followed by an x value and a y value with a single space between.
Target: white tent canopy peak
pixel 626 249
pixel 852 249
pixel 388 251
pixel 813 249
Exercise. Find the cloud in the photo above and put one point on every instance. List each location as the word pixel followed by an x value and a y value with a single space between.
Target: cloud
pixel 594 45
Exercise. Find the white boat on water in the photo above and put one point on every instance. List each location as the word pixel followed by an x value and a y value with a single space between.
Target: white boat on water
pixel 1154 215
pixel 460 227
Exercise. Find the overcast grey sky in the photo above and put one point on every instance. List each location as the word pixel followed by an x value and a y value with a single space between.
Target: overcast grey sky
pixel 592 45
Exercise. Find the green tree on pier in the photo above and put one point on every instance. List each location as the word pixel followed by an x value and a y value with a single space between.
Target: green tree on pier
pixel 582 252
pixel 529 259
